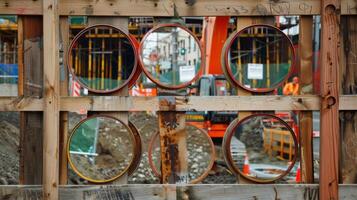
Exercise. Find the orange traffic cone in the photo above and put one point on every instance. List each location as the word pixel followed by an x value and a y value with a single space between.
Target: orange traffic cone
pixel 246 165
pixel 298 175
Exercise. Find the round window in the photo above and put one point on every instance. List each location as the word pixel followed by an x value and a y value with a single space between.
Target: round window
pixel 102 58
pixel 258 58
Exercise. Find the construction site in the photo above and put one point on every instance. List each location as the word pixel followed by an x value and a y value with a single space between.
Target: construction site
pixel 178 99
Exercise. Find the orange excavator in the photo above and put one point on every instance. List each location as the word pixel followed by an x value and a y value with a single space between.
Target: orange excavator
pixel 213 82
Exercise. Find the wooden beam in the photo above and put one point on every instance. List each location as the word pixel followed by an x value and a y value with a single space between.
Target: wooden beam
pixel 20 56
pixel 348 80
pixel 31 122
pixel 21 7
pixel 117 8
pixel 329 123
pixel 51 100
pixel 306 88
pixel 193 103
pixel 169 7
pixel 199 191
pixel 64 38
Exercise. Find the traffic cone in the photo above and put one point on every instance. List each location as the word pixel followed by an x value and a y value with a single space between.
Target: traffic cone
pixel 298 175
pixel 246 165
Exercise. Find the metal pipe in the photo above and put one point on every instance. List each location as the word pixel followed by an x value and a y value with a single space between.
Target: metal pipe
pixel 95 65
pixel 254 55
pixel 268 60
pixel 89 57
pixel 102 64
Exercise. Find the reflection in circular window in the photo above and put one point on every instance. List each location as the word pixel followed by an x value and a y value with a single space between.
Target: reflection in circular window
pixel 200 154
pixel 261 147
pixel 258 58
pixel 101 149
pixel 102 58
pixel 171 56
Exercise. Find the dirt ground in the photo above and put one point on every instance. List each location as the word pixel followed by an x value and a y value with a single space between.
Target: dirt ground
pixel 9 143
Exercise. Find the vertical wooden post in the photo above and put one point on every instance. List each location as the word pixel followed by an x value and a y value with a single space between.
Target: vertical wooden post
pixel 31 122
pixel 64 37
pixel 243 22
pixel 51 99
pixel 306 87
pixel 330 64
pixel 20 56
pixel 172 143
pixel 122 23
pixel 348 79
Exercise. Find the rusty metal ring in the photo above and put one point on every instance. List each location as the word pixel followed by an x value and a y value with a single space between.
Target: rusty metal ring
pixel 133 45
pixel 226 62
pixel 126 169
pixel 138 149
pixel 194 181
pixel 226 144
pixel 148 74
pixel 138 71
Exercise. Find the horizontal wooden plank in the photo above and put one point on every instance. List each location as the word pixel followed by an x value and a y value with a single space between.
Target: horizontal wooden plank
pixel 117 7
pixel 168 7
pixel 348 102
pixel 248 8
pixel 21 104
pixel 192 103
pixel 160 192
pixel 20 7
pixel 257 8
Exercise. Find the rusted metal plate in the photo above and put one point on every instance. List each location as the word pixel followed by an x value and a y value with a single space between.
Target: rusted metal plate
pixel 172 142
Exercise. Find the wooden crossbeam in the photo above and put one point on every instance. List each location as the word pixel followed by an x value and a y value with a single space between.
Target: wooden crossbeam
pixel 233 103
pixel 160 192
pixel 172 7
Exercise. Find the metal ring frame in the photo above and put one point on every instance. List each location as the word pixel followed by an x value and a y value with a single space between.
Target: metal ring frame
pixel 226 144
pixel 226 62
pixel 138 149
pixel 138 71
pixel 148 74
pixel 194 181
pixel 79 35
pixel 132 162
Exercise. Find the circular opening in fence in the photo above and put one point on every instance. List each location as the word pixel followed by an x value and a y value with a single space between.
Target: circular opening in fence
pixel 261 147
pixel 101 149
pixel 259 58
pixel 102 58
pixel 200 154
pixel 171 56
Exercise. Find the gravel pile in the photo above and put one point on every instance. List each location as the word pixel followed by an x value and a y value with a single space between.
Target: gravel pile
pixel 9 144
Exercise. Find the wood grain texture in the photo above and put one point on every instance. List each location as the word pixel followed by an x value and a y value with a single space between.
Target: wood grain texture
pixel 170 7
pixel 348 80
pixel 31 122
pixel 64 39
pixel 193 103
pixel 161 192
pixel 51 100
pixel 306 88
pixel 329 122
pixel 117 7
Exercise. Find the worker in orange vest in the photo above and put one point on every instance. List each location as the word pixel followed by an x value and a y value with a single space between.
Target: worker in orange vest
pixel 292 88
